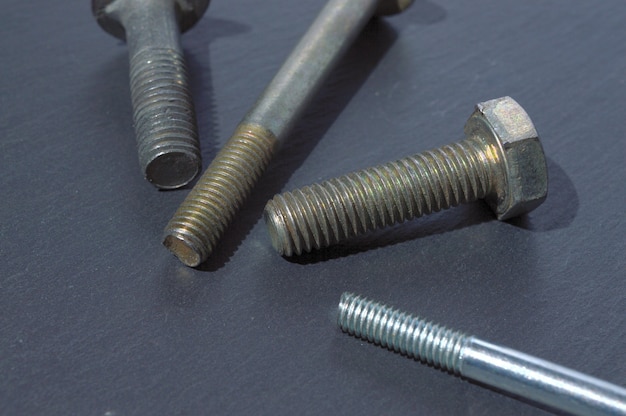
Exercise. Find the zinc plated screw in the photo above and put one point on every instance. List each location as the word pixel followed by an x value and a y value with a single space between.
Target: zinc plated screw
pixel 501 160
pixel 201 219
pixel 506 369
pixel 164 115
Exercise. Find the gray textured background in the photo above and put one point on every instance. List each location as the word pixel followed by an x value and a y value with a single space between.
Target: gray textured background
pixel 97 318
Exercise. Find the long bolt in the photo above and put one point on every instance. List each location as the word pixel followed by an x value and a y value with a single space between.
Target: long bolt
pixel 501 160
pixel 164 115
pixel 200 221
pixel 506 369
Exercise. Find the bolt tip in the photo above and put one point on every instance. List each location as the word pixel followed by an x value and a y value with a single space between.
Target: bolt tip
pixel 346 298
pixel 183 250
pixel 172 170
pixel 277 229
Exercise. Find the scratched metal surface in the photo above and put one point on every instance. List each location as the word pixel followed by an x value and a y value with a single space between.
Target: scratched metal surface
pixel 97 318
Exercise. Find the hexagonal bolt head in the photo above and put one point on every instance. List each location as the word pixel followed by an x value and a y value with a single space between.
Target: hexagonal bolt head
pixel 524 185
pixel 501 160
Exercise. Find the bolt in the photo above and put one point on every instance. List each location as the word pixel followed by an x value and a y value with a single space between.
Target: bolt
pixel 200 221
pixel 164 116
pixel 501 160
pixel 505 369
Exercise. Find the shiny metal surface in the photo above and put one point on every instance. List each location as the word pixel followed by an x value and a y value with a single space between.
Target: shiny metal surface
pixel 557 387
pixel 201 219
pixel 164 115
pixel 501 160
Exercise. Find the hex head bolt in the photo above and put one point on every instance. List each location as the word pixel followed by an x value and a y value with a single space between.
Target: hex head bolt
pixel 501 160
pixel 201 219
pixel 505 369
pixel 164 115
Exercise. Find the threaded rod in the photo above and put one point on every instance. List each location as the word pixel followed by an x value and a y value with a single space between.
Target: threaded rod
pixel 198 224
pixel 400 332
pixel 506 369
pixel 201 219
pixel 165 120
pixel 163 112
pixel 323 214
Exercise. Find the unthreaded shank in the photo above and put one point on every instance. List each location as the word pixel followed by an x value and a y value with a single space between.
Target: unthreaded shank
pixel 201 219
pixel 220 192
pixel 323 214
pixel 508 370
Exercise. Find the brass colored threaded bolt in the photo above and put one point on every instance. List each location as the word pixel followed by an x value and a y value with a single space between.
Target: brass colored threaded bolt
pixel 501 160
pixel 164 115
pixel 506 369
pixel 198 224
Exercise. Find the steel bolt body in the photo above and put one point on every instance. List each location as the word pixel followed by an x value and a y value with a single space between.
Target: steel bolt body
pixel 503 368
pixel 164 115
pixel 200 221
pixel 501 160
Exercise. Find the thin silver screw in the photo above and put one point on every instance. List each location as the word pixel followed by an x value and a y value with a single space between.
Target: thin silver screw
pixel 506 369
pixel 501 160
pixel 201 219
pixel 164 115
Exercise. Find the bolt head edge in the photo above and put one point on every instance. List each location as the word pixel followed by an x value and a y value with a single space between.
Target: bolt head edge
pixel 523 183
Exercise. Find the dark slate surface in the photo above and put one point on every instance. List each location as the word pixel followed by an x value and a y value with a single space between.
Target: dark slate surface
pixel 97 318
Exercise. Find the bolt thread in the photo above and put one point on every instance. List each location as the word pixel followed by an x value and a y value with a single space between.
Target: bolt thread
pixel 323 214
pixel 401 332
pixel 165 120
pixel 202 218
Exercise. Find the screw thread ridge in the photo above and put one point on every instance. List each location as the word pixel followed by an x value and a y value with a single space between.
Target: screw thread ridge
pixel 210 206
pixel 401 332
pixel 322 214
pixel 164 115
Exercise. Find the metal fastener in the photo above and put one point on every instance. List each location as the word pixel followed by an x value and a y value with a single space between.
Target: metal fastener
pixel 200 221
pixel 501 160
pixel 164 115
pixel 506 369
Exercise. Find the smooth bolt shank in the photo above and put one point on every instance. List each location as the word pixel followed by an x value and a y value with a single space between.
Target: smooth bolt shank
pixel 506 369
pixel 501 160
pixel 164 115
pixel 200 221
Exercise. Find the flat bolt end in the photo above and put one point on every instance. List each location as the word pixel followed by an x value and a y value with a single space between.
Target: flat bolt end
pixel 172 170
pixel 186 252
pixel 277 230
